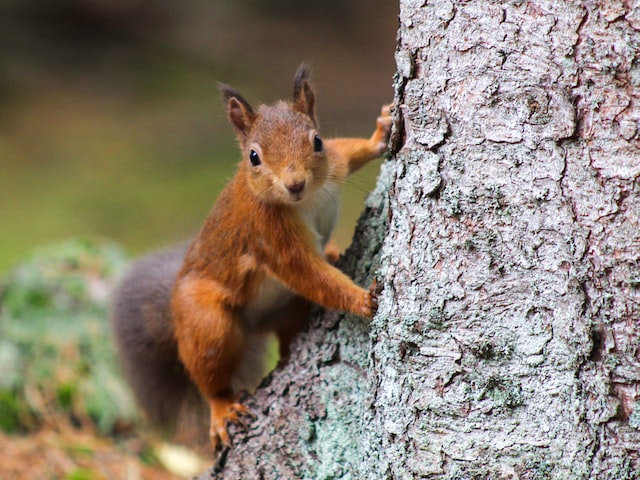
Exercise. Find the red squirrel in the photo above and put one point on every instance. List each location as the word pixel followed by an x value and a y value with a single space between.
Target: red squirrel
pixel 262 257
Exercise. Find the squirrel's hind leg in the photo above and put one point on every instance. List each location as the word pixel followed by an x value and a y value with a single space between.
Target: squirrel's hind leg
pixel 224 408
pixel 212 343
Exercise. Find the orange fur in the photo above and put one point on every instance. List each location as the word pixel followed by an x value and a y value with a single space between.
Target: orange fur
pixel 263 242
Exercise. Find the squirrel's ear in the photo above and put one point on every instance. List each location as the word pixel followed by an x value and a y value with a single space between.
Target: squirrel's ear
pixel 239 111
pixel 303 97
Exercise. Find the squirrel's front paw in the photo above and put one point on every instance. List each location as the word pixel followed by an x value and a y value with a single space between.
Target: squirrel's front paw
pixel 369 305
pixel 380 137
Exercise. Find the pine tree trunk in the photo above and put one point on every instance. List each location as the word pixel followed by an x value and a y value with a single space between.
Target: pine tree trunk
pixel 506 234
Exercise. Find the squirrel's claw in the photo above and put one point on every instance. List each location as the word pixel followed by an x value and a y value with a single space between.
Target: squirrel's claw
pixel 380 137
pixel 369 305
pixel 224 411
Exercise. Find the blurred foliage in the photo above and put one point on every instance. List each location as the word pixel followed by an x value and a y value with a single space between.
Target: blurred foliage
pixel 57 361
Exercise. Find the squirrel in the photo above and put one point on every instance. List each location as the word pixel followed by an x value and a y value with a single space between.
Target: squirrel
pixel 193 319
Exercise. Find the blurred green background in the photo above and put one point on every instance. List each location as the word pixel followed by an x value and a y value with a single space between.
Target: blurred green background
pixel 110 121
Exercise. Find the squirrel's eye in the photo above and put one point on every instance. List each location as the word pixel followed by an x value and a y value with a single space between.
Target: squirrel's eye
pixel 254 158
pixel 317 144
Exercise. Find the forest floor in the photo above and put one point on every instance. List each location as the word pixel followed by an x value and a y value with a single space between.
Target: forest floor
pixel 76 454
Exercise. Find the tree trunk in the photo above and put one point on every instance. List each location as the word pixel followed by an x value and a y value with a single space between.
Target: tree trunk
pixel 506 237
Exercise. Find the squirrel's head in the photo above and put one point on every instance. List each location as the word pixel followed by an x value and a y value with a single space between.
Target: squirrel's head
pixel 282 152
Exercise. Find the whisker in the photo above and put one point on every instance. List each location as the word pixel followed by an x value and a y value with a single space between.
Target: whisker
pixel 364 188
pixel 359 183
pixel 334 199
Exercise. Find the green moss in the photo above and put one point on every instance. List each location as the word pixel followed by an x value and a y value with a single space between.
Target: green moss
pixel 79 449
pixel 12 412
pixel 81 474
pixel 65 393
pixel 57 341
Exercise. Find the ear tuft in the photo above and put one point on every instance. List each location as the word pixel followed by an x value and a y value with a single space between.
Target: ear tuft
pixel 303 96
pixel 302 74
pixel 239 111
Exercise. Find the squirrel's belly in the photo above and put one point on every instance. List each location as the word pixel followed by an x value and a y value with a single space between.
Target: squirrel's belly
pixel 270 296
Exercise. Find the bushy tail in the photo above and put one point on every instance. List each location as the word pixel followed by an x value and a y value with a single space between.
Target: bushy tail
pixel 143 329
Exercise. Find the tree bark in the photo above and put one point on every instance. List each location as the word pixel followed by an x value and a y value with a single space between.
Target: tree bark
pixel 505 236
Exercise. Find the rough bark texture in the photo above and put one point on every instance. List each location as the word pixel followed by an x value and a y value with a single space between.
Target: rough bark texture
pixel 509 345
pixel 506 236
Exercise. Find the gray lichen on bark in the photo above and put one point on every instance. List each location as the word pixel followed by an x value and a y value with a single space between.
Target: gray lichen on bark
pixel 488 353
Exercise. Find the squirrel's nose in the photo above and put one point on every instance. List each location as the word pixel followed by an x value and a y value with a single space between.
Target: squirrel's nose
pixel 296 186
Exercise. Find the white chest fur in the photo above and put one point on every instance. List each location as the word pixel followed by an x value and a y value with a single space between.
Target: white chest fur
pixel 320 213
